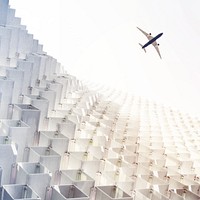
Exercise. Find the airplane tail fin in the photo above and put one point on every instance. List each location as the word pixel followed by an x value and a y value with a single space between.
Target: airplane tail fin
pixel 142 47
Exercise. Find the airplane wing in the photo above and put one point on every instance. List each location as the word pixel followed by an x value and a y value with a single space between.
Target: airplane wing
pixel 149 37
pixel 157 49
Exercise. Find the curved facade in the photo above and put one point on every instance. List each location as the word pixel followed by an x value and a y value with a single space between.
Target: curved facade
pixel 61 139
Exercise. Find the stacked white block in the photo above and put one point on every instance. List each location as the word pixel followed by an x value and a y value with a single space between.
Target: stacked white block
pixel 6 97
pixel 77 177
pixel 8 159
pixel 31 116
pixel 61 140
pixel 64 192
pixel 35 175
pixel 17 129
pixel 11 192
pixel 42 104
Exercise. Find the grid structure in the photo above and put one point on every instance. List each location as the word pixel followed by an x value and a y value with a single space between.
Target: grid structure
pixel 61 139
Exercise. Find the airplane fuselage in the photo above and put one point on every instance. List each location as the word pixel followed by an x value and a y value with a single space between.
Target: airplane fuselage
pixel 152 40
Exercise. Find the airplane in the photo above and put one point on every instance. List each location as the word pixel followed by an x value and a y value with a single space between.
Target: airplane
pixel 152 40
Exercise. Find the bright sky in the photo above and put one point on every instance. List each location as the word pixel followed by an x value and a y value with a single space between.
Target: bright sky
pixel 98 41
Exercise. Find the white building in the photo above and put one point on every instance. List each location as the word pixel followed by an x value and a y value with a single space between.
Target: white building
pixel 60 139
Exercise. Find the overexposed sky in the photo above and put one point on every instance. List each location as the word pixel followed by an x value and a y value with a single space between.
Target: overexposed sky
pixel 98 41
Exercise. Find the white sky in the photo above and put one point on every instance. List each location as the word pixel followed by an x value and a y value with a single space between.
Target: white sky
pixel 98 41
